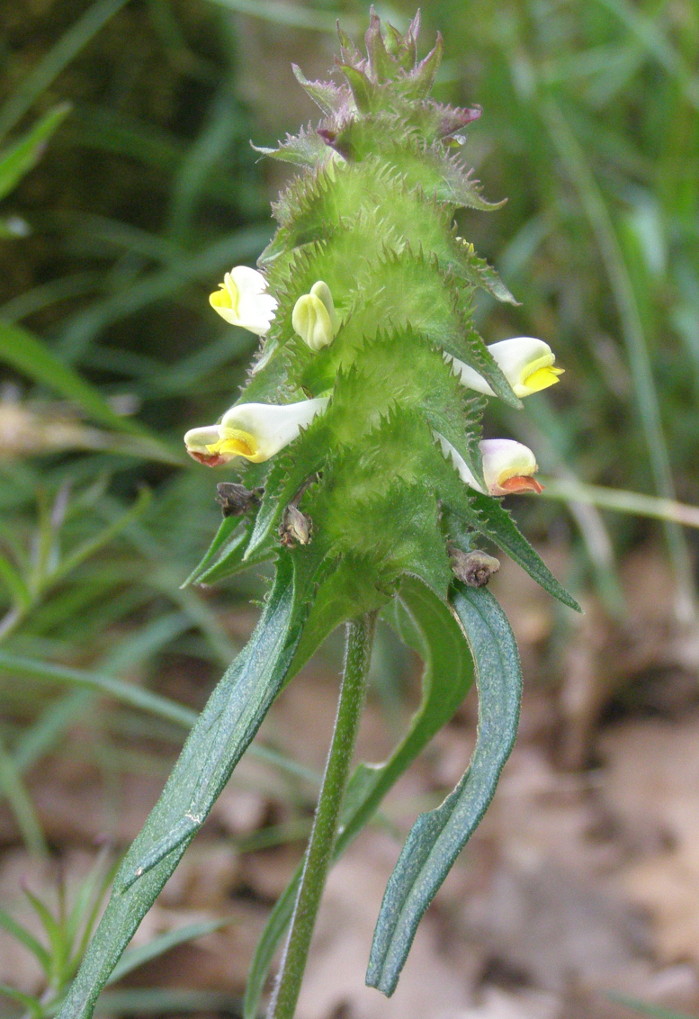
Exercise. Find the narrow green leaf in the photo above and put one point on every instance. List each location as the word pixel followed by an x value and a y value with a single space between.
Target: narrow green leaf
pixel 224 556
pixel 437 837
pixel 87 908
pixel 20 933
pixel 32 1004
pixel 277 923
pixel 18 159
pixel 51 925
pixel 424 623
pixel 495 523
pixel 15 583
pixel 223 731
pixel 81 913
pixel 12 786
pixel 57 936
pixel 305 149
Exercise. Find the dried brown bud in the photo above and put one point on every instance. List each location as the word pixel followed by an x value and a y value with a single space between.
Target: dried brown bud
pixel 474 568
pixel 296 528
pixel 235 499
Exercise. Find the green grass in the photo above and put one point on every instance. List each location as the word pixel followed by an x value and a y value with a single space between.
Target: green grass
pixel 590 128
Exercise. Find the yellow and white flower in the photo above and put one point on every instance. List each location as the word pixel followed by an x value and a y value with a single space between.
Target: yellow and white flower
pixel 508 466
pixel 526 363
pixel 242 299
pixel 314 317
pixel 255 431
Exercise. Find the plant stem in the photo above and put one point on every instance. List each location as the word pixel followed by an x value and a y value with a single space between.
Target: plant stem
pixel 621 501
pixel 359 639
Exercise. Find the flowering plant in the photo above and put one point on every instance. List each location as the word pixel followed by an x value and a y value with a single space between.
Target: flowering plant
pixel 367 482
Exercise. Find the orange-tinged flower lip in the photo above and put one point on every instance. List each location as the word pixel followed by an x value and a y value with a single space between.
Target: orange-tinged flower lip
pixel 209 459
pixel 521 483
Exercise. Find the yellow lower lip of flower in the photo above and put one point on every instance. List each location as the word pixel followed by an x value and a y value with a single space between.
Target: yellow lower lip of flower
pixel 223 298
pixel 541 378
pixel 238 444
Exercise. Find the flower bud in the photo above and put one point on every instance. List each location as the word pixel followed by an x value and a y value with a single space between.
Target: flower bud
pixel 322 290
pixel 242 299
pixel 314 317
pixel 255 431
pixel 526 363
pixel 508 466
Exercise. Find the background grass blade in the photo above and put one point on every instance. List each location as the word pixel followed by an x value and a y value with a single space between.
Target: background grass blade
pixel 135 696
pixel 48 69
pixel 29 355
pixel 648 409
pixel 292 15
pixel 21 805
pixel 136 957
pixel 17 160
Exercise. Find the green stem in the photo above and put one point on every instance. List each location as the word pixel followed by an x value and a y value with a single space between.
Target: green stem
pixel 360 633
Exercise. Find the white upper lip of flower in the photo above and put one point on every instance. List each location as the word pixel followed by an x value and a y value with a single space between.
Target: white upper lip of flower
pixel 255 431
pixel 242 300
pixel 526 362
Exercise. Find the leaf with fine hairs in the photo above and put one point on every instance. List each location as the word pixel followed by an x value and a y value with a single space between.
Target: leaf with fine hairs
pixel 223 731
pixel 424 623
pixel 437 837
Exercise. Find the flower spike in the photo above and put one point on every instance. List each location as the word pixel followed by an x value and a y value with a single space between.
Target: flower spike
pixel 242 299
pixel 526 363
pixel 255 431
pixel 508 466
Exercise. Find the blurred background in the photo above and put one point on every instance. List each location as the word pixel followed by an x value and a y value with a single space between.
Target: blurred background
pixel 128 185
